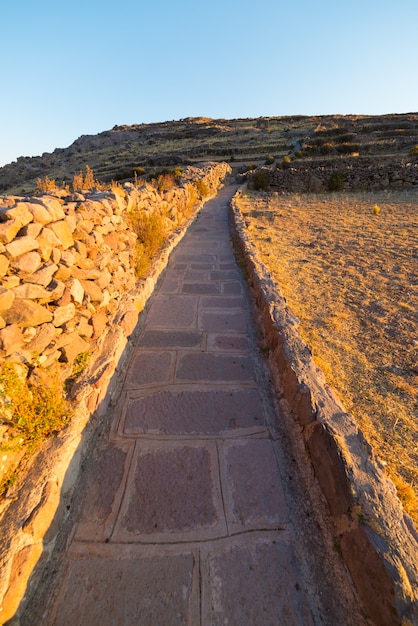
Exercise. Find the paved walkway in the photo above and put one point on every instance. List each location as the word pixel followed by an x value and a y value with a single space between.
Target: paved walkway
pixel 185 520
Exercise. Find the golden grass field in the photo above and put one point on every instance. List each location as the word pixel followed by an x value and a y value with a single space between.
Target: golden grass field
pixel 347 265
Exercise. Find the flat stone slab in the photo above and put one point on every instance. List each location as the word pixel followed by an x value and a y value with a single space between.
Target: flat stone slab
pixel 214 367
pixel 200 288
pixel 223 303
pixel 232 288
pixel 172 312
pixel 104 492
pixel 227 343
pixel 253 581
pixel 170 339
pixel 148 368
pixel 128 591
pixel 173 494
pixel 252 485
pixel 193 412
pixel 223 321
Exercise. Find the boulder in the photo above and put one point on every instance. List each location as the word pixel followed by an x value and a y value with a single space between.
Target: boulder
pixel 20 212
pixel 27 313
pixel 21 245
pixel 6 299
pixel 63 233
pixel 40 213
pixel 4 265
pixel 44 335
pixel 44 275
pixel 11 339
pixel 27 263
pixel 63 314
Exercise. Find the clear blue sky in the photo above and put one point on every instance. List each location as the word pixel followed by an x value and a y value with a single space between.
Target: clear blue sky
pixel 78 67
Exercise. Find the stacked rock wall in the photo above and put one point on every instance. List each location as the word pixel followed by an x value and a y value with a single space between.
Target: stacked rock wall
pixel 359 174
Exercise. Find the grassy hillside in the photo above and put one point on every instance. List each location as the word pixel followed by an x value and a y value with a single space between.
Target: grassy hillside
pixel 146 149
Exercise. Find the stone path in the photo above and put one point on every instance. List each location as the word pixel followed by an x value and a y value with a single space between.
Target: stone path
pixel 184 519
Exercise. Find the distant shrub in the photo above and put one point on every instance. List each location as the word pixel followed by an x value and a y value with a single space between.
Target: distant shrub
pixel 166 180
pixel 348 148
pixel 414 151
pixel 85 182
pixel 376 209
pixel 43 185
pixel 336 181
pixel 287 159
pixel 260 181
pixel 201 187
pixel 270 160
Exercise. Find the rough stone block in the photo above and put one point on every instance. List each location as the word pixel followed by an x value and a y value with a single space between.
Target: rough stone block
pixel 21 245
pixel 27 313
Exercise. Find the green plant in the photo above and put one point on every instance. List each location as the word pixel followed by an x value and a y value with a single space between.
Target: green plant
pixel 287 159
pixel 260 181
pixel 414 151
pixel 336 181
pixel 270 160
pixel 35 407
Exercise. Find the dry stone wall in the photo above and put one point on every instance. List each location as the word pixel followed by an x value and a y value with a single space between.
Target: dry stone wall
pixel 359 174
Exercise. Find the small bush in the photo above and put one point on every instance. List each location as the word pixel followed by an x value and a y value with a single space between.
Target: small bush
pixel 336 181
pixel 270 160
pixel 35 407
pixel 260 181
pixel 414 151
pixel 287 159
pixel 85 182
pixel 201 187
pixel 376 209
pixel 151 236
pixel 43 185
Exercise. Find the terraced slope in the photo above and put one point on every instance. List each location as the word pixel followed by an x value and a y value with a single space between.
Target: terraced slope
pixel 144 149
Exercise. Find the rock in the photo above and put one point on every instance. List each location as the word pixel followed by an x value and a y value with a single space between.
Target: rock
pixel 84 329
pixel 21 245
pixel 99 323
pixel 41 215
pixel 45 334
pixel 86 274
pixel 20 212
pixel 63 314
pixel 27 313
pixel 76 290
pixel 92 290
pixel 31 230
pixel 30 291
pixel 47 242
pixel 27 263
pixel 63 273
pixel 6 299
pixel 9 230
pixel 11 339
pixel 53 206
pixel 4 265
pixel 71 351
pixel 63 232
pixel 44 275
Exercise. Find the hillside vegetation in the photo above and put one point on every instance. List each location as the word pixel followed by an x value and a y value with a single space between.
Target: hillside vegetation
pixel 144 150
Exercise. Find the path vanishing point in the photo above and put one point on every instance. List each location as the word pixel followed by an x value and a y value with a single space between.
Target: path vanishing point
pixel 191 509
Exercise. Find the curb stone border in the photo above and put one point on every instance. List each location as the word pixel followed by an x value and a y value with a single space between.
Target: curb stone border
pixel 42 501
pixel 377 539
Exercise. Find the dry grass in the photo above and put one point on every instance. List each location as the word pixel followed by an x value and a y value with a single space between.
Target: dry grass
pixel 349 272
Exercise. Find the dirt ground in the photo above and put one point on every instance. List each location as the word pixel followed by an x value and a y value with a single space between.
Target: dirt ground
pixel 347 265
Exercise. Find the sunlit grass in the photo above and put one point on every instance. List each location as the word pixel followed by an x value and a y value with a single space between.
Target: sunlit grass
pixel 349 273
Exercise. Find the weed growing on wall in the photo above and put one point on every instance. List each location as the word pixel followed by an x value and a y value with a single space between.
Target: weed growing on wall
pixel 35 408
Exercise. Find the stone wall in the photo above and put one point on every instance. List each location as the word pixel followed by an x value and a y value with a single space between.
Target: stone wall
pixel 360 174
pixel 377 539
pixel 68 287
